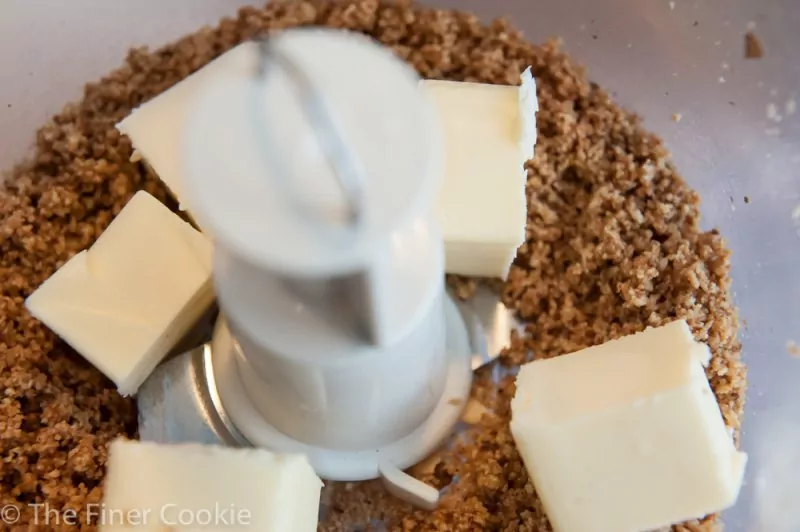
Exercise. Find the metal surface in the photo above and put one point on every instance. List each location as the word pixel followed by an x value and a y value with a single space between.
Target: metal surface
pixel 489 324
pixel 179 402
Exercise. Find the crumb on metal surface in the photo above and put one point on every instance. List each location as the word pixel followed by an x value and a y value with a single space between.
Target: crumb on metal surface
pixel 676 117
pixel 753 49
pixel 793 349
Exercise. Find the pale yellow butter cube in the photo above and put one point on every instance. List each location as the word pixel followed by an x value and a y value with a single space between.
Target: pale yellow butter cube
pixel 155 128
pixel 193 487
pixel 126 302
pixel 489 133
pixel 626 436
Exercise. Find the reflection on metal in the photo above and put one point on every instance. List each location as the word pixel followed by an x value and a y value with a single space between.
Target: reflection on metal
pixel 489 324
pixel 179 403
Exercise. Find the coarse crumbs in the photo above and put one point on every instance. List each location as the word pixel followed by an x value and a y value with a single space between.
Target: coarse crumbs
pixel 613 246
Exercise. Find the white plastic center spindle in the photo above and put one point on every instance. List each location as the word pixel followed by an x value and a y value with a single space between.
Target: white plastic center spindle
pixel 340 327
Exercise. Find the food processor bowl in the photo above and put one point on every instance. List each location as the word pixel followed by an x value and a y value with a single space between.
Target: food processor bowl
pixel 729 122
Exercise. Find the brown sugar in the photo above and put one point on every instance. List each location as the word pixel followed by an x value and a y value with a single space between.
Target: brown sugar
pixel 613 245
pixel 752 46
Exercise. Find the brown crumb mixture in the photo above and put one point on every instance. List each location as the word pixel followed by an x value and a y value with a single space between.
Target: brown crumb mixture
pixel 613 246
pixel 752 46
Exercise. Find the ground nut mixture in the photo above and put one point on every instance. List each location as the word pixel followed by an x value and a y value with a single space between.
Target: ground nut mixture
pixel 613 246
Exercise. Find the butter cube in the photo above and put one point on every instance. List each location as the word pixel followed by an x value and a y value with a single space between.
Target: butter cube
pixel 489 134
pixel 626 436
pixel 157 487
pixel 156 127
pixel 128 300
